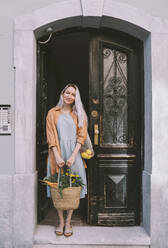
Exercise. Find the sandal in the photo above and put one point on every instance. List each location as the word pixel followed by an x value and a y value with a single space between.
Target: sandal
pixel 68 231
pixel 59 231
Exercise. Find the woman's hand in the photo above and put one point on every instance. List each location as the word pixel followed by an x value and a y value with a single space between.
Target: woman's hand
pixel 59 161
pixel 71 160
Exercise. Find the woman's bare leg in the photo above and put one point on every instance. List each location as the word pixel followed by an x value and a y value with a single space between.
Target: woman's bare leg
pixel 68 228
pixel 61 221
pixel 69 216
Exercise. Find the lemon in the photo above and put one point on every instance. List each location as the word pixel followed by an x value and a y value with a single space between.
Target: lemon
pixel 84 155
pixel 88 151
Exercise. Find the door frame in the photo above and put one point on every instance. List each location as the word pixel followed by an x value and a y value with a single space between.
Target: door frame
pixel 25 52
pixel 107 24
pixel 93 34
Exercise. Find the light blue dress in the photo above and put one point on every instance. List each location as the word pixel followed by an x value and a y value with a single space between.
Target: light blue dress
pixel 66 129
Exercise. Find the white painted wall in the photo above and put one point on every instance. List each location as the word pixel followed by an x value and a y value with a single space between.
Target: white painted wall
pixel 6 91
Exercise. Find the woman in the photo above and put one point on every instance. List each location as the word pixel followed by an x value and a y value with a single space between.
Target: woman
pixel 66 127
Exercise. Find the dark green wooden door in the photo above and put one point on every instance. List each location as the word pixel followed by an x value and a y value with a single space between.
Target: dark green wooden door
pixel 115 127
pixel 42 147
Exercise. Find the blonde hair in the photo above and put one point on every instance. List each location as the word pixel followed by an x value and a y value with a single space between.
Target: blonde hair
pixel 78 107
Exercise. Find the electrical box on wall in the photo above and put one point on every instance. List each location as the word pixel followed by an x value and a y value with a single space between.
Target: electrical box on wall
pixel 5 119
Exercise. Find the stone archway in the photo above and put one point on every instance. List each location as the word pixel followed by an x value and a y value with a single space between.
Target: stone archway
pixel 60 16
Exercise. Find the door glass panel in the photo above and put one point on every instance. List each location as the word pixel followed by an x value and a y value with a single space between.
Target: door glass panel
pixel 115 107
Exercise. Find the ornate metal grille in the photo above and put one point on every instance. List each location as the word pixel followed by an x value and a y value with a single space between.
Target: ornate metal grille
pixel 115 107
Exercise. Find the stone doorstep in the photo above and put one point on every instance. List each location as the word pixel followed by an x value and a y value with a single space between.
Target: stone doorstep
pixel 92 236
pixel 89 246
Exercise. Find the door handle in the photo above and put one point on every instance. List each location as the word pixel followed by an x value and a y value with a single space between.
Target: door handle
pixel 96 134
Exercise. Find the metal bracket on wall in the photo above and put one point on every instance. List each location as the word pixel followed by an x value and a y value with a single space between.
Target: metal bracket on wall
pixel 50 31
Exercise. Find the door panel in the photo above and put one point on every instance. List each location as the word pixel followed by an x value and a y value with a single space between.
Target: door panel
pixel 42 147
pixel 115 124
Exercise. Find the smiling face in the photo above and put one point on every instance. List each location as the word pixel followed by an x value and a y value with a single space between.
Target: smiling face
pixel 69 95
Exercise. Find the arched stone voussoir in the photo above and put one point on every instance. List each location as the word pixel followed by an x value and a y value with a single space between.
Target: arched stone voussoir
pixel 48 14
pixel 127 13
pixel 57 11
pixel 92 7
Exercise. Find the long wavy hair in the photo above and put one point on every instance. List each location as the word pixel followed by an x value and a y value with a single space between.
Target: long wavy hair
pixel 77 107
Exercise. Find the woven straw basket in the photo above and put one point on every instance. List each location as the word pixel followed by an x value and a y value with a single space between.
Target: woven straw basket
pixel 70 196
pixel 69 200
